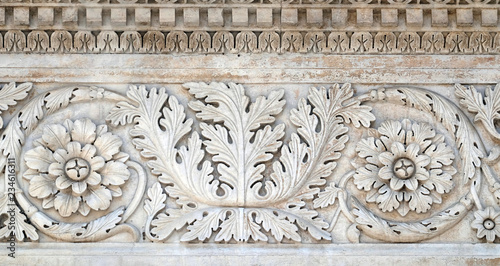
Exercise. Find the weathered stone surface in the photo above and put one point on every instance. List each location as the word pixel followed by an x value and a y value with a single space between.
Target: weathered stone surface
pixel 264 17
pixel 69 16
pixel 315 16
pixel 119 16
pixel 142 16
pixel 192 17
pixel 414 17
pixel 167 17
pixel 45 16
pixel 364 17
pixel 94 16
pixel 215 17
pixel 289 16
pixel 440 17
pixel 465 17
pixel 21 16
pixel 389 17
pixel 339 17
pixel 489 17
pixel 240 17
pixel 247 132
pixel 2 16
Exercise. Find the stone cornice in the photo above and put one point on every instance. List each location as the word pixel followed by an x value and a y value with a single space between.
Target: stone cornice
pixel 250 27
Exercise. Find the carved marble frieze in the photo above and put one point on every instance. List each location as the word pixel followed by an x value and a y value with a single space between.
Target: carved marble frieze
pixel 215 162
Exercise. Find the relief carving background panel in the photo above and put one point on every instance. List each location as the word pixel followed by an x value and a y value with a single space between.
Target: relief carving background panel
pixel 128 130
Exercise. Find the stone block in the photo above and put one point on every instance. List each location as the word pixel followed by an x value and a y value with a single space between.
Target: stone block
pixel 240 17
pixel 489 17
pixel 21 16
pixel 264 17
pixel 215 17
pixel 289 16
pixel 45 16
pixel 191 17
pixel 339 17
pixel 142 16
pixel 364 17
pixel 118 16
pixel 414 17
pixel 2 16
pixel 69 16
pixel 439 17
pixel 167 17
pixel 314 16
pixel 389 17
pixel 94 16
pixel 465 17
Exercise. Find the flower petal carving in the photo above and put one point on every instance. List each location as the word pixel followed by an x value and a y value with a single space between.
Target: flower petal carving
pixel 414 167
pixel 66 204
pixel 73 168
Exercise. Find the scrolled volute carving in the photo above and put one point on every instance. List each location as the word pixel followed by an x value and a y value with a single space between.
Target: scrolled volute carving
pixel 408 167
pixel 74 167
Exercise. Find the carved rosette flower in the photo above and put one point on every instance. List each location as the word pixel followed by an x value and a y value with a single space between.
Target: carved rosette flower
pixel 76 167
pixel 407 168
pixel 487 223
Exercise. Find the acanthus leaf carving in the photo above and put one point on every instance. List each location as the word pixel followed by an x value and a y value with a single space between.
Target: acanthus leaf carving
pixel 232 144
pixel 327 197
pixel 487 109
pixel 23 228
pixel 10 94
pixel 239 199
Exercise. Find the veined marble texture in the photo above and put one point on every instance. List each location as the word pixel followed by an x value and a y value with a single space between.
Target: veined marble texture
pixel 278 132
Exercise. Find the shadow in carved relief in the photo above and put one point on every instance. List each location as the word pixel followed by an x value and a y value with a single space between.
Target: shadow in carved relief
pixel 349 159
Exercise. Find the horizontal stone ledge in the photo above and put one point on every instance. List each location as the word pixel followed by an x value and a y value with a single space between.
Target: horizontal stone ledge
pixel 253 76
pixel 252 254
pixel 247 61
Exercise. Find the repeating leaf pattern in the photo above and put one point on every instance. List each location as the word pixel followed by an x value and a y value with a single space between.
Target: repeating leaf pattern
pixel 327 197
pixel 11 142
pixel 156 133
pixel 237 199
pixel 22 228
pixel 10 95
pixel 239 178
pixel 236 147
pixel 487 109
